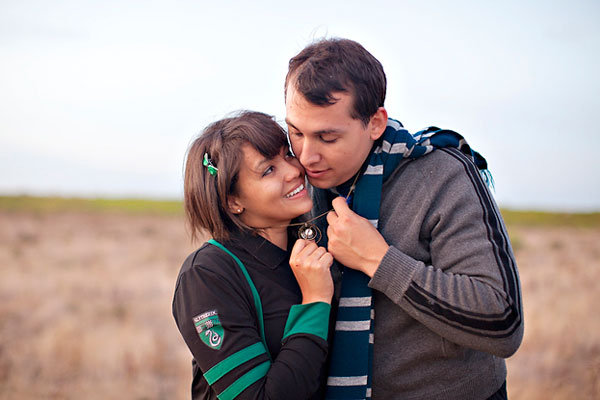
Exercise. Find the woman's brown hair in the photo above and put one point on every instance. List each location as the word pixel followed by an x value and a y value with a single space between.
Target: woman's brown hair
pixel 206 194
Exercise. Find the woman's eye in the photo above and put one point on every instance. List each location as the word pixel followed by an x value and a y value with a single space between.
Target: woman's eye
pixel 268 171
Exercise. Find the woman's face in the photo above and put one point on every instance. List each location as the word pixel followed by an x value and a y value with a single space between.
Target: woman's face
pixel 270 191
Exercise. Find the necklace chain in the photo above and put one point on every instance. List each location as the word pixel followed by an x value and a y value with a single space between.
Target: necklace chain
pixel 320 215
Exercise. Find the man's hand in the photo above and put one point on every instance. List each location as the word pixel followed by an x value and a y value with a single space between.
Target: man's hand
pixel 353 241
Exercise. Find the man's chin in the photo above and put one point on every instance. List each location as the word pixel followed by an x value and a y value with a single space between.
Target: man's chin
pixel 320 183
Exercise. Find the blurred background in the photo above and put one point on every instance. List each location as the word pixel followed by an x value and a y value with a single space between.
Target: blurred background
pixel 99 101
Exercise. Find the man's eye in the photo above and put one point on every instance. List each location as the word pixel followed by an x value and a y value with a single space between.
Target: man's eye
pixel 326 140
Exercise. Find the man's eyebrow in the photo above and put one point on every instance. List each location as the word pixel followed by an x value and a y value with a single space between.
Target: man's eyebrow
pixel 319 132
pixel 287 121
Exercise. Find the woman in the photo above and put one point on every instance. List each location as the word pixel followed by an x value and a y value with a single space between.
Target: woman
pixel 253 311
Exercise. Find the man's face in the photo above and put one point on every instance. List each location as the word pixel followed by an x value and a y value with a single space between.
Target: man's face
pixel 330 144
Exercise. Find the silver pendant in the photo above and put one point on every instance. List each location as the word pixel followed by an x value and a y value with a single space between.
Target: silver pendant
pixel 309 232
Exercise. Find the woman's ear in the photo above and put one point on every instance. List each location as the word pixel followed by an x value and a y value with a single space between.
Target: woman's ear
pixel 234 205
pixel 378 123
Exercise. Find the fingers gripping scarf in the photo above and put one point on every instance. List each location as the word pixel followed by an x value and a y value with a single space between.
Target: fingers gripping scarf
pixel 350 370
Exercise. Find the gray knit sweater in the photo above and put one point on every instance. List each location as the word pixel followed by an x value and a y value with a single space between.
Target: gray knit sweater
pixel 446 295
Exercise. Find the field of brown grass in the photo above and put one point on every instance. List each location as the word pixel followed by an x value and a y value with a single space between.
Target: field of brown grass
pixel 85 308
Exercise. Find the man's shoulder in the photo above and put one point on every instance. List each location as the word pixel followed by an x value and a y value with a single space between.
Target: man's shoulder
pixel 440 164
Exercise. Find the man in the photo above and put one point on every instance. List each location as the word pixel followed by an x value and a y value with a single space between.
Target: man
pixel 430 301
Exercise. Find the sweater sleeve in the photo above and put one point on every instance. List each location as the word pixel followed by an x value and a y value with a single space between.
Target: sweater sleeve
pixel 217 319
pixel 468 291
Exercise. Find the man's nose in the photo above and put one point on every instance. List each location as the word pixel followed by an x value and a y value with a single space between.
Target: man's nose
pixel 309 154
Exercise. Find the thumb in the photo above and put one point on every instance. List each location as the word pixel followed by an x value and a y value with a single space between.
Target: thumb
pixel 341 207
pixel 298 247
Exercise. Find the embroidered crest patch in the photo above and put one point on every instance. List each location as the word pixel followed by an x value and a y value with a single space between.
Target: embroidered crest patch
pixel 209 329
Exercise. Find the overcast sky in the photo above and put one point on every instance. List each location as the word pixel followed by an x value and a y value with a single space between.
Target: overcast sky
pixel 102 98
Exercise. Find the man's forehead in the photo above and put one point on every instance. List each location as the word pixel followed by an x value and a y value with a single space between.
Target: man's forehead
pixel 305 116
pixel 296 99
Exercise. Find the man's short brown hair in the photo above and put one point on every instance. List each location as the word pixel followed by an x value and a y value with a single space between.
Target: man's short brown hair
pixel 339 65
pixel 206 194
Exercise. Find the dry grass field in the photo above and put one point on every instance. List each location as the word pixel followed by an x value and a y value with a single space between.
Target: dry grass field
pixel 85 305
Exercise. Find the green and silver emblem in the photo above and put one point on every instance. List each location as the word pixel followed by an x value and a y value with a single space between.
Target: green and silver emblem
pixel 209 329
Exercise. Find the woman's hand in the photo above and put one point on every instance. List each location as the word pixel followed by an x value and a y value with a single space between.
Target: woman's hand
pixel 310 264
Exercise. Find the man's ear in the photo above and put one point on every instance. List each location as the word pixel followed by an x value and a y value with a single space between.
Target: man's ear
pixel 234 205
pixel 378 123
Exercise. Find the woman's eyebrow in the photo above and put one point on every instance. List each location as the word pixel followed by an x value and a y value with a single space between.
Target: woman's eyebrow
pixel 258 164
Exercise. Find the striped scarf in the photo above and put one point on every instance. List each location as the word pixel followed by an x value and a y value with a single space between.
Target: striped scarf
pixel 350 370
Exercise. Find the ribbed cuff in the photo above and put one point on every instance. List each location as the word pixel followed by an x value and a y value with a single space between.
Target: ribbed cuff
pixel 311 318
pixel 394 274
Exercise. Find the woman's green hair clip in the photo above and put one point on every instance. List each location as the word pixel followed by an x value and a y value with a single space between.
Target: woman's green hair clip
pixel 209 165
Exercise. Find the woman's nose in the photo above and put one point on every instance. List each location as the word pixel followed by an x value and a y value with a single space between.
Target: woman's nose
pixel 293 169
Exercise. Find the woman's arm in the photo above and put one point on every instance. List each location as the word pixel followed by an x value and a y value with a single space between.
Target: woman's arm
pixel 217 319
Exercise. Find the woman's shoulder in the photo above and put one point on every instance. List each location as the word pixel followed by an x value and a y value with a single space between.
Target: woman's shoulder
pixel 211 275
pixel 209 260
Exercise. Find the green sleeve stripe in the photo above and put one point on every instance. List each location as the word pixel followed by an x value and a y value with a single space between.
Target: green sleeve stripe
pixel 233 361
pixel 246 380
pixel 255 295
pixel 311 318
